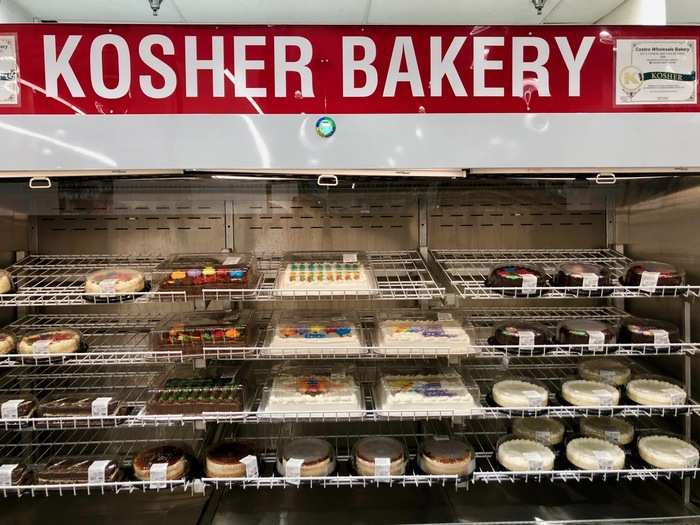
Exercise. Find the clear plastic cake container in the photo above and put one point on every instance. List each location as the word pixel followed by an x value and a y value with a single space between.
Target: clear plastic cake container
pixel 196 272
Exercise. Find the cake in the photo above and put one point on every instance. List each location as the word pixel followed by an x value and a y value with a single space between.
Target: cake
pixel 516 393
pixel 5 282
pixel 549 432
pixel 407 336
pixel 648 331
pixel 649 275
pixel 114 283
pixel 608 371
pixel 655 392
pixel 51 342
pixel 324 275
pixel 580 392
pixel 368 450
pixel 591 335
pixel 440 392
pixel 446 457
pixel 193 273
pixel 332 394
pixel 76 470
pixel 196 400
pixel 80 405
pixel 306 457
pixel 224 460
pixel 7 343
pixel 314 335
pixel 524 455
pixel 174 456
pixel 191 334
pixel 588 277
pixel 668 452
pixel 595 454
pixel 613 429
pixel 517 279
pixel 13 474
pixel 521 335
pixel 14 406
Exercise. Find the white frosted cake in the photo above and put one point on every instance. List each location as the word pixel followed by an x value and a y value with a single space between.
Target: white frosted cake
pixel 595 454
pixel 590 393
pixel 668 452
pixel 425 392
pixel 327 277
pixel 315 337
pixel 517 393
pixel 525 455
pixel 315 395
pixel 404 336
pixel 655 392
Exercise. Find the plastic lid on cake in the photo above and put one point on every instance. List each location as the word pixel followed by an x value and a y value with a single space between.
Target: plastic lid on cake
pixel 613 429
pixel 514 328
pixel 584 326
pixel 111 276
pixel 186 261
pixel 609 371
pixel 645 326
pixel 447 450
pixel 309 450
pixel 545 430
pixel 229 452
pixel 665 269
pixel 578 269
pixel 40 339
pixel 373 447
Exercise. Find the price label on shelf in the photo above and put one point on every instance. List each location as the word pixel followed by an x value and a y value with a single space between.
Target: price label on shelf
pixel 590 281
pixel 604 459
pixel 10 409
pixel 251 466
pixel 292 471
pixel 349 257
pixel 676 396
pixel 661 339
pixel 382 468
pixel 444 316
pixel 529 282
pixel 526 340
pixel 230 261
pixel 596 340
pixel 100 406
pixel 605 398
pixel 649 281
pixel 108 285
pixel 535 461
pixel 6 474
pixel 158 475
pixel 97 471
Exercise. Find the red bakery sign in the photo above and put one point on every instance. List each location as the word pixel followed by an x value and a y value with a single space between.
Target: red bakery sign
pixel 66 69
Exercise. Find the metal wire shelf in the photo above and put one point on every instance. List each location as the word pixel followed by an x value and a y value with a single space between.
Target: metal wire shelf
pixel 467 271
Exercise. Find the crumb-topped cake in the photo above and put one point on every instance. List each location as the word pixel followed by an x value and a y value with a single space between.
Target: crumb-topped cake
pixel 407 335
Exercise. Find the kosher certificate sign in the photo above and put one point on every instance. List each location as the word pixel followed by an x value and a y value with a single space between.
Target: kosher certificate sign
pixel 662 71
pixel 9 74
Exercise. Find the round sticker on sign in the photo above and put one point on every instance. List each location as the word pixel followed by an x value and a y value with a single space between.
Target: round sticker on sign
pixel 325 127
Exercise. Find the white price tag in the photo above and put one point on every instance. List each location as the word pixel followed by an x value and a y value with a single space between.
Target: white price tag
pixel 97 471
pixel 41 346
pixel 382 468
pixel 542 436
pixel 689 455
pixel 606 375
pixel 108 285
pixel 605 460
pixel 649 281
pixel 158 475
pixel 596 340
pixel 529 282
pixel 535 461
pixel 230 261
pixel 676 397
pixel 349 257
pixel 612 435
pixel 590 281
pixel 10 409
pixel 605 398
pixel 534 398
pixel 526 339
pixel 6 474
pixel 661 339
pixel 444 316
pixel 292 471
pixel 251 466
pixel 100 406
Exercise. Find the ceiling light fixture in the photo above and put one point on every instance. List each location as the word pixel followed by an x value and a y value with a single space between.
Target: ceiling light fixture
pixel 155 6
pixel 539 5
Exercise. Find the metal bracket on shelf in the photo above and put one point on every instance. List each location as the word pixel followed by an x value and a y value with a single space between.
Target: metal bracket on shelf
pixel 39 183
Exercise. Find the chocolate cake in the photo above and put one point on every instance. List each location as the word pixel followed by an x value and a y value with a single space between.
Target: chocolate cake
pixel 636 330
pixel 649 275
pixel 74 405
pixel 584 332
pixel 75 470
pixel 12 474
pixel 521 335
pixel 224 460
pixel 174 456
pixel 517 278
pixel 25 406
pixel 589 277
pixel 191 401
pixel 193 273
pixel 191 334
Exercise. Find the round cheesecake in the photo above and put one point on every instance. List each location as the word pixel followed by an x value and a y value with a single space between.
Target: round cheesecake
pixel 583 332
pixel 174 456
pixel 579 392
pixel 608 371
pixel 224 460
pixel 7 343
pixel 119 281
pixel 613 429
pixel 520 455
pixel 668 452
pixel 446 456
pixel 547 431
pixel 368 449
pixel 518 393
pixel 595 454
pixel 655 392
pixel 51 342
pixel 5 282
pixel 317 456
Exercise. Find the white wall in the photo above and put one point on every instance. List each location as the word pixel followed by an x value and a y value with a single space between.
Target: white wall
pixel 11 13
pixel 639 12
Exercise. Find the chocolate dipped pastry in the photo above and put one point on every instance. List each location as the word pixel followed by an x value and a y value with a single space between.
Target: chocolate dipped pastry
pixel 76 470
pixel 75 405
pixel 191 401
pixel 589 277
pixel 517 279
pixel 649 275
pixel 194 273
pixel 636 330
pixel 13 474
pixel 224 460
pixel 175 457
pixel 587 333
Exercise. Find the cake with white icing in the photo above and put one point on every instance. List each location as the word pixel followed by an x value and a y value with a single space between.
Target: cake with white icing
pixel 668 452
pixel 431 392
pixel 590 393
pixel 336 394
pixel 519 393
pixel 545 430
pixel 609 371
pixel 655 392
pixel 525 455
pixel 50 342
pixel 409 335
pixel 315 335
pixel 613 429
pixel 111 281
pixel 325 277
pixel 595 454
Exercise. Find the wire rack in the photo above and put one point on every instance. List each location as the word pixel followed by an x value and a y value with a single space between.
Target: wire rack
pixel 467 271
pixel 118 444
